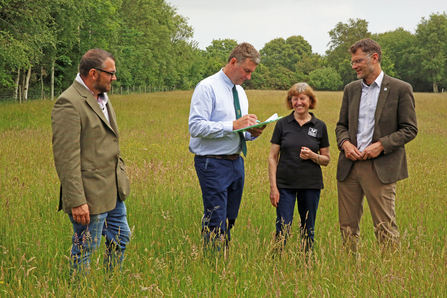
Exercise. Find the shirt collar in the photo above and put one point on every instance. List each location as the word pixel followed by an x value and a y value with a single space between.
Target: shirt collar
pixel 378 81
pixel 292 118
pixel 102 97
pixel 226 79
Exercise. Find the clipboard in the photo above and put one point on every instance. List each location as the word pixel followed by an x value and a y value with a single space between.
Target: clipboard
pixel 272 118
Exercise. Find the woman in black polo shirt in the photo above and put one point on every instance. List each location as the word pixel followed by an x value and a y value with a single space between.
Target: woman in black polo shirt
pixel 300 145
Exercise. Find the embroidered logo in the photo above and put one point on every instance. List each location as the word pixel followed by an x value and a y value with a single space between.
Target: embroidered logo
pixel 312 132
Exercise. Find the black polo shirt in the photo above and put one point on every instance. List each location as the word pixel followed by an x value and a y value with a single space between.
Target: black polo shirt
pixel 292 171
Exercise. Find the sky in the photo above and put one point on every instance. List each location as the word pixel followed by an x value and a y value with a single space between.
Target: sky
pixel 260 21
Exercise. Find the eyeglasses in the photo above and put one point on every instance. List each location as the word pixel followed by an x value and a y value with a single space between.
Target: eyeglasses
pixel 108 72
pixel 359 60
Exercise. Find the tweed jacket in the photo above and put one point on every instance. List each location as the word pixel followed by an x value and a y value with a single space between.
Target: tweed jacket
pixel 86 152
pixel 395 126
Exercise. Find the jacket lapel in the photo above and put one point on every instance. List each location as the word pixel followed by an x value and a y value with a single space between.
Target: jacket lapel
pixel 112 117
pixel 91 101
pixel 383 95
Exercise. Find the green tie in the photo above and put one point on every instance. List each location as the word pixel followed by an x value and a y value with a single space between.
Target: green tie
pixel 237 107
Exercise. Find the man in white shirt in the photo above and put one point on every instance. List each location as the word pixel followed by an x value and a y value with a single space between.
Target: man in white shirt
pixel 219 106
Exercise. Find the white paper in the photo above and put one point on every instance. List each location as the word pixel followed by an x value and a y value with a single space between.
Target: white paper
pixel 273 117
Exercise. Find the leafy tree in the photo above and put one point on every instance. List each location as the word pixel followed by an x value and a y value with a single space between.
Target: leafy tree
pixel 343 36
pixel 399 48
pixel 154 47
pixel 286 53
pixel 50 36
pixel 150 41
pixel 100 24
pixel 61 58
pixel 221 48
pixel 42 42
pixel 282 78
pixel 308 63
pixel 24 30
pixel 276 78
pixel 260 79
pixel 217 55
pixel 431 37
pixel 325 79
pixel 187 55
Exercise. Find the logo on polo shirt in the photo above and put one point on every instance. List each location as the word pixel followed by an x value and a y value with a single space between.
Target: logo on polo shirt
pixel 312 132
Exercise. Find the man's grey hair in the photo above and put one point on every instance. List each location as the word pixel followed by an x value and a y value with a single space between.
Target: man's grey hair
pixel 243 51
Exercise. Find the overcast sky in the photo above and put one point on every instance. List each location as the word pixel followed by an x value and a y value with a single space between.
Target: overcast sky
pixel 260 21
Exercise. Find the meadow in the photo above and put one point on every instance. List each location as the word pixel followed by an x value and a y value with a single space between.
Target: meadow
pixel 165 256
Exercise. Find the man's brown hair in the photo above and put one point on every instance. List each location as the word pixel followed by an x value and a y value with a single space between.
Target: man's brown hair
pixel 94 58
pixel 368 46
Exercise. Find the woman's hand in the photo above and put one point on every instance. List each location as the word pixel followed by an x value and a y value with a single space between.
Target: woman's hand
pixel 274 197
pixel 306 153
pixel 321 159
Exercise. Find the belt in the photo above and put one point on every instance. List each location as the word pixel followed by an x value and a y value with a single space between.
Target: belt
pixel 226 157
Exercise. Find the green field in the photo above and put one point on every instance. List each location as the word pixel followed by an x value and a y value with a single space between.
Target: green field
pixel 165 257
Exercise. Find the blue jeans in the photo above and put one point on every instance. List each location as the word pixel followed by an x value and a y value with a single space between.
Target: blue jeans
pixel 222 183
pixel 308 200
pixel 87 239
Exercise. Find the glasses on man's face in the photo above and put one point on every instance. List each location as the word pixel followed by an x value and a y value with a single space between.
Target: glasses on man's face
pixel 107 72
pixel 359 60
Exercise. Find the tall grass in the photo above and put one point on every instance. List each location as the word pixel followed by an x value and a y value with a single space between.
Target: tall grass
pixel 165 257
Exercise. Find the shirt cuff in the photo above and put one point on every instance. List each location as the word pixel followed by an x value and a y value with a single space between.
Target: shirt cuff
pixel 249 137
pixel 228 126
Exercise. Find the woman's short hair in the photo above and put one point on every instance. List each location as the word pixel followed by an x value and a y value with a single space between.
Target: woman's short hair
pixel 94 58
pixel 301 88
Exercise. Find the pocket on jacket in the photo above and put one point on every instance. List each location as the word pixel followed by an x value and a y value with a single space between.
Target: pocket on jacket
pixel 122 179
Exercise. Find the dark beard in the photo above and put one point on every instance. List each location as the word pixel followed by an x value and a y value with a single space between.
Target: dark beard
pixel 100 87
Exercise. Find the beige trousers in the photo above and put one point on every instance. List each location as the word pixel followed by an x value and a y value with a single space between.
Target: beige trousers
pixel 363 181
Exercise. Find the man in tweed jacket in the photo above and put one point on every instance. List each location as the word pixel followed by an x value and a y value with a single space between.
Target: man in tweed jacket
pixel 87 156
pixel 377 119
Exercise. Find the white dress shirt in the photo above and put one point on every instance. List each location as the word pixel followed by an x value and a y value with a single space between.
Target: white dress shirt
pixel 212 114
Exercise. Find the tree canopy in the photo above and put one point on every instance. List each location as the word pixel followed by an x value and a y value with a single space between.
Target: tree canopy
pixel 431 36
pixel 42 41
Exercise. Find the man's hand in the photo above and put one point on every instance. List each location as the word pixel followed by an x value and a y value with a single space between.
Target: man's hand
pixel 372 151
pixel 81 214
pixel 244 121
pixel 256 132
pixel 351 151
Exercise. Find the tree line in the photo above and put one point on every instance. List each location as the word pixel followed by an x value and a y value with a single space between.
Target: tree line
pixel 42 41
